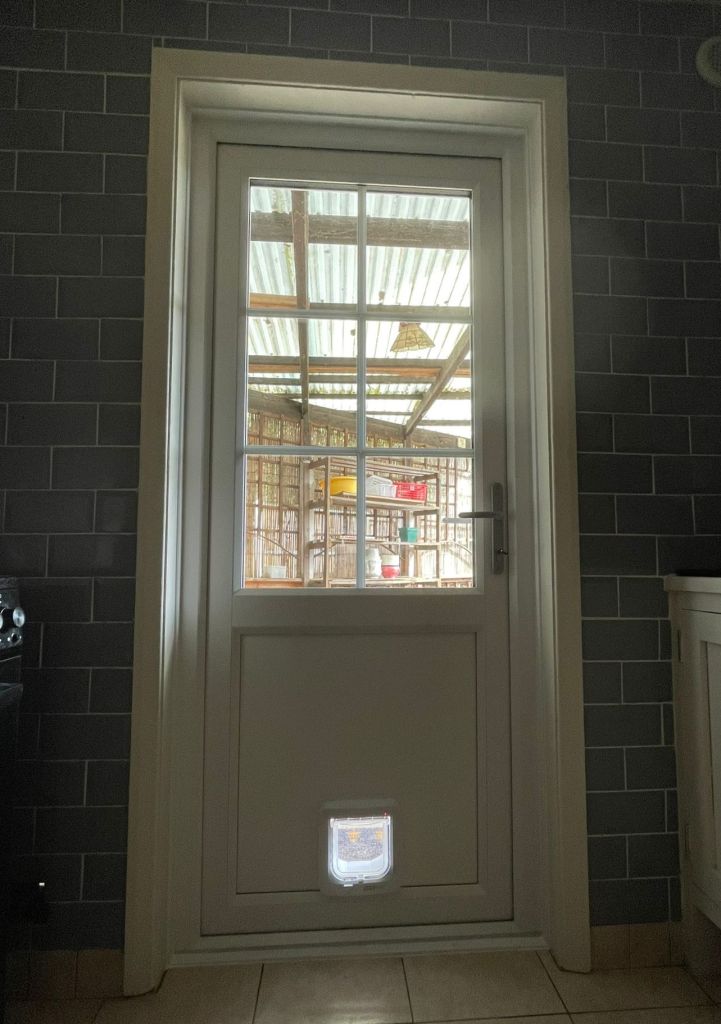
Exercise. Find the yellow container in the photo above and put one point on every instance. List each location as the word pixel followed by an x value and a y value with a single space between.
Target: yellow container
pixel 341 485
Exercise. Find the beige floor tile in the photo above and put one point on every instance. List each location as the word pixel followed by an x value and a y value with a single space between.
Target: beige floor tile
pixel 679 1015
pixel 69 1011
pixel 468 985
pixel 711 984
pixel 137 1010
pixel 625 990
pixel 99 974
pixel 360 991
pixel 675 941
pixel 649 945
pixel 52 974
pixel 192 995
pixel 609 946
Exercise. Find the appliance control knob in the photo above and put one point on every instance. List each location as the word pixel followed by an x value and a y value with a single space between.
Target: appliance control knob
pixel 11 617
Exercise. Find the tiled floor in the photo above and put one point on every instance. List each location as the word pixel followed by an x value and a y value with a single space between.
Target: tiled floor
pixel 493 988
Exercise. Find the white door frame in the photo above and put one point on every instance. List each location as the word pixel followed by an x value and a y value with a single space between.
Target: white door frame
pixel 197 99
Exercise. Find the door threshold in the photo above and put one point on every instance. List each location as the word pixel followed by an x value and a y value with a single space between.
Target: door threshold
pixel 227 949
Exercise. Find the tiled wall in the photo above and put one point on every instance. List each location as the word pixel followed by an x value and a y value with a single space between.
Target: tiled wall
pixel 647 277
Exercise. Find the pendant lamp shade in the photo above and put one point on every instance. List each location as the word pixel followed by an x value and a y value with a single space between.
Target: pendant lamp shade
pixel 411 337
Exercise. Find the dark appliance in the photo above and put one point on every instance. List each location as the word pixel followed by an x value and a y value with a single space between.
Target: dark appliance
pixel 12 619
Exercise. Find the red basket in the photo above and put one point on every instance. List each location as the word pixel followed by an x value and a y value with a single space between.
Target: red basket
pixel 411 490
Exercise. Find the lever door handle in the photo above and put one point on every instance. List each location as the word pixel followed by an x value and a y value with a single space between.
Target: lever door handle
pixel 497 514
pixel 477 514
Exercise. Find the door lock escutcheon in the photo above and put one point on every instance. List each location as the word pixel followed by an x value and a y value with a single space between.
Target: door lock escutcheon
pixel 497 515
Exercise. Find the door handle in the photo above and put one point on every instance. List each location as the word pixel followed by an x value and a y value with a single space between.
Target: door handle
pixel 497 514
pixel 477 514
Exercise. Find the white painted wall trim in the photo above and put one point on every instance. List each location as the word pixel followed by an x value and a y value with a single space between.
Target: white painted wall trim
pixel 169 635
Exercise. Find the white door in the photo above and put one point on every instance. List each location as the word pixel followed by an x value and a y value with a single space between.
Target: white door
pixel 357 745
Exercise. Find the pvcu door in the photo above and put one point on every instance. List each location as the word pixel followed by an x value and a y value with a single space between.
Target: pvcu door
pixel 357 745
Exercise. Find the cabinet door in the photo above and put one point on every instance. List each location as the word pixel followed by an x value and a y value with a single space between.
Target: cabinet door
pixel 699 745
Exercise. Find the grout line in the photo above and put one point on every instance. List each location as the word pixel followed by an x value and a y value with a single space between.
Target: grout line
pixel 700 981
pixel 548 974
pixel 408 990
pixel 257 992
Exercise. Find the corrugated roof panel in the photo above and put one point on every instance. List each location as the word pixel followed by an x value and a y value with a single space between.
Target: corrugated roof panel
pixel 396 275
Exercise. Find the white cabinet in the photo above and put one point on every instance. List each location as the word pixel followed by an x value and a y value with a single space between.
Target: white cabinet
pixel 695 605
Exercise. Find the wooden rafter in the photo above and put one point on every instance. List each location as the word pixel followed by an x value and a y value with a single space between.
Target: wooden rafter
pixel 409 396
pixel 457 356
pixel 279 405
pixel 422 369
pixel 445 423
pixel 335 378
pixel 268 304
pixel 386 231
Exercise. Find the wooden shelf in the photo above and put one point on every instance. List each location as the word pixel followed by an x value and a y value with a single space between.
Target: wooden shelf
pixel 378 581
pixel 383 462
pixel 266 582
pixel 380 542
pixel 326 511
pixel 373 501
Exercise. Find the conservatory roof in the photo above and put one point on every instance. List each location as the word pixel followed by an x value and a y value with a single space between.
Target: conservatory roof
pixel 304 330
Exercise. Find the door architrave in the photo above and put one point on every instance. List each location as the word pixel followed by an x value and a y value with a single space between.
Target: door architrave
pixel 197 100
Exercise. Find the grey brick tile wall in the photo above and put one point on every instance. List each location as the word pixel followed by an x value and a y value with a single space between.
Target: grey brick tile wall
pixel 646 204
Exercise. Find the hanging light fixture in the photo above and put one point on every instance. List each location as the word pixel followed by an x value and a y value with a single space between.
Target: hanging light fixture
pixel 411 337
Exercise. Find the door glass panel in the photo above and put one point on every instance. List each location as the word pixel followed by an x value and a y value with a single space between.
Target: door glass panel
pixel 424 392
pixel 384 341
pixel 303 247
pixel 411 540
pixel 302 378
pixel 418 251
pixel 300 521
pixel 272 517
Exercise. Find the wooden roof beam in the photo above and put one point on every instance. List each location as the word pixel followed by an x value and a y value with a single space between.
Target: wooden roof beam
pixel 326 229
pixel 280 405
pixel 421 368
pixel 457 356
pixel 390 396
pixel 269 304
